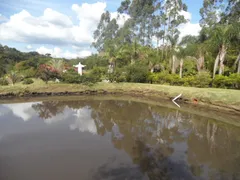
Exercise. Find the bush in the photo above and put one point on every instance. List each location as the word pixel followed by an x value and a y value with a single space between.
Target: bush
pixel 47 73
pixel 121 78
pixel 202 79
pixel 136 73
pixel 235 78
pixel 118 75
pixel 98 72
pixel 220 81
pixel 3 82
pixel 71 76
pixel 232 81
pixel 13 77
pixel 189 81
pixel 174 79
pixel 28 81
pixel 29 73
pixel 165 78
pixel 159 78
pixel 90 78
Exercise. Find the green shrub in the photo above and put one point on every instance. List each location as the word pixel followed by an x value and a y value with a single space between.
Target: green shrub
pixel 3 82
pixel 71 76
pixel 235 80
pixel 189 68
pixel 118 75
pixel 121 78
pixel 159 78
pixel 13 77
pixel 28 81
pixel 202 79
pixel 29 73
pixel 220 81
pixel 232 81
pixel 90 78
pixel 174 79
pixel 189 81
pixel 98 72
pixel 137 73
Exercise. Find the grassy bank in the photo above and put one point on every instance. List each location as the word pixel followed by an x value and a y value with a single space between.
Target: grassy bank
pixel 217 97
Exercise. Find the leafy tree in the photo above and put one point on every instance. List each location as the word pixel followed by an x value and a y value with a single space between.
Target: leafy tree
pixel 13 77
pixel 47 73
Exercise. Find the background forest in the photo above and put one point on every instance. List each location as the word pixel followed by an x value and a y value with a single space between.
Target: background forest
pixel 146 49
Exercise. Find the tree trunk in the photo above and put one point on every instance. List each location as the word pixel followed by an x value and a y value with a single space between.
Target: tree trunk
pixel 215 65
pixel 173 64
pixel 238 70
pixel 237 62
pixel 222 55
pixel 181 68
pixel 200 62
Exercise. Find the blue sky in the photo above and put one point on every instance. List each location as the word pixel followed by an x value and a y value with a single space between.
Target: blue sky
pixel 70 26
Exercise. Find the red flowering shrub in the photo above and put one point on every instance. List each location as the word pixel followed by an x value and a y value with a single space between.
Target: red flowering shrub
pixel 47 72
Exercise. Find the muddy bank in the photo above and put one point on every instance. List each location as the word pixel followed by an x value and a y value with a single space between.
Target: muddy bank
pixel 150 95
pixel 215 113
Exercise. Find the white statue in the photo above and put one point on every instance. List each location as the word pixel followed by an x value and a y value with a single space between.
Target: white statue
pixel 80 68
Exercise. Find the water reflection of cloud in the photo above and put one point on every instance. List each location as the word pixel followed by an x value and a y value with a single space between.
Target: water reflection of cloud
pixel 116 132
pixel 84 121
pixel 3 110
pixel 23 110
pixel 66 114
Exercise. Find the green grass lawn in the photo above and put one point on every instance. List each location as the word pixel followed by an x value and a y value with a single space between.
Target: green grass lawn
pixel 222 97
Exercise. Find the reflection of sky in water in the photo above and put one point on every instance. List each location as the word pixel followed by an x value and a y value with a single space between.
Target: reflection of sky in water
pixel 80 119
pixel 23 110
pixel 179 136
pixel 83 121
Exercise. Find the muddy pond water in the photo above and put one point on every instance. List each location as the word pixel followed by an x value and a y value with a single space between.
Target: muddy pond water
pixel 113 140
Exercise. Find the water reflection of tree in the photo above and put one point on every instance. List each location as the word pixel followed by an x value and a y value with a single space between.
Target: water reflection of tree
pixel 216 145
pixel 48 109
pixel 147 133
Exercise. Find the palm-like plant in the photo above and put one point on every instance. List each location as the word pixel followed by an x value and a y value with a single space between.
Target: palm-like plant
pixel 57 64
pixel 221 36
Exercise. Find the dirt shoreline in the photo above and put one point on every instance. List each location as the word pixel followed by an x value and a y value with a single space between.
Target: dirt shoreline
pixel 152 95
pixel 216 113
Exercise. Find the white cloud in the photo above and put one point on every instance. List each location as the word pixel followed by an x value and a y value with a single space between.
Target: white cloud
pixel 3 18
pixel 56 18
pixel 29 47
pixel 57 29
pixel 187 15
pixel 59 53
pixel 23 27
pixel 88 16
pixel 53 27
pixel 189 29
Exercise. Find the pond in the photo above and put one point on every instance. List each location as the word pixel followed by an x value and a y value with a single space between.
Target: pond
pixel 113 139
